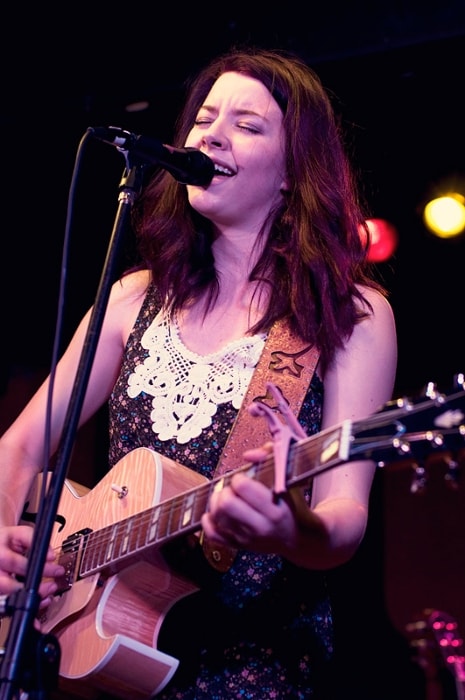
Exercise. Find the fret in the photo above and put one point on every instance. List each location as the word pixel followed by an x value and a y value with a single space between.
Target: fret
pixel 152 529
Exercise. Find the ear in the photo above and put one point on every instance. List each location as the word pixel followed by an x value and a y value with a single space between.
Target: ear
pixel 284 188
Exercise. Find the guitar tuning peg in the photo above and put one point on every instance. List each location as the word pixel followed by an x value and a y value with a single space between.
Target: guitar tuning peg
pixel 416 626
pixel 418 484
pixel 431 390
pixel 459 380
pixel 452 474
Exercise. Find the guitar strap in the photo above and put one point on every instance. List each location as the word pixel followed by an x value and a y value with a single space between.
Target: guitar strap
pixel 289 363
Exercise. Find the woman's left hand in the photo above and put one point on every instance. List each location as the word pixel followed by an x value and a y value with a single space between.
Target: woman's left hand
pixel 245 514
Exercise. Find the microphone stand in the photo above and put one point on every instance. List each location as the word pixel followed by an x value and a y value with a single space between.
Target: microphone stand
pixel 31 660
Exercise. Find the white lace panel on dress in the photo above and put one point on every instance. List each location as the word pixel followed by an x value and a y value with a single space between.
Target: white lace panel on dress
pixel 186 387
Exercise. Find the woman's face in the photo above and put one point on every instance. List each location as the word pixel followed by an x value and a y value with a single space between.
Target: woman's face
pixel 240 127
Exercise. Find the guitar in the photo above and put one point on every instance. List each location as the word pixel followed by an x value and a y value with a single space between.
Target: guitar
pixel 118 587
pixel 439 645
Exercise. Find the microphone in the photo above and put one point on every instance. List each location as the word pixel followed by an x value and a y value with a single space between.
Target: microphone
pixel 187 165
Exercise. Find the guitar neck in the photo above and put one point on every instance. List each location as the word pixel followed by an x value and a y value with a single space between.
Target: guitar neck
pixel 182 514
pixel 382 437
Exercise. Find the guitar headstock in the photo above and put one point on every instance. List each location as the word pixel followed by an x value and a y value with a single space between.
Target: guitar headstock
pixel 449 641
pixel 414 429
pixel 437 642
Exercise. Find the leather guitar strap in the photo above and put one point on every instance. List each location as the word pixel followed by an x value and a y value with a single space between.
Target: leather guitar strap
pixel 287 362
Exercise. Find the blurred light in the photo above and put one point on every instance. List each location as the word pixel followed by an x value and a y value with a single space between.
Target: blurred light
pixel 383 239
pixel 445 216
pixel 139 106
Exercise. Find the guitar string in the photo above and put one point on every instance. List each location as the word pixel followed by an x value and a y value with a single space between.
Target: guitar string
pixel 118 541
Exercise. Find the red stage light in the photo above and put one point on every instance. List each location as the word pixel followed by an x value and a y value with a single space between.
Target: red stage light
pixel 383 240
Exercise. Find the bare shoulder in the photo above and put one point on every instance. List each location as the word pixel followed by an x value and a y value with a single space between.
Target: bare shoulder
pixel 126 297
pixel 376 300
pixel 379 321
pixel 130 288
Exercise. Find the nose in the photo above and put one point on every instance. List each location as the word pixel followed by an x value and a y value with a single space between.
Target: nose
pixel 213 141
pixel 213 137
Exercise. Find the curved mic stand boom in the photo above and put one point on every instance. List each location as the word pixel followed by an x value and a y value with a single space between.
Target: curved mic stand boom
pixel 31 660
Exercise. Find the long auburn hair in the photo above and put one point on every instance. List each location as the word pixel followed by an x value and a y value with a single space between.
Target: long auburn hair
pixel 314 257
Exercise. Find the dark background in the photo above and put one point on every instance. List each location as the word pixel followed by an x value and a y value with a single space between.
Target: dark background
pixel 395 71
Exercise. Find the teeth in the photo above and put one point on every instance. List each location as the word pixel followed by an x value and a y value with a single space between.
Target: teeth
pixel 224 171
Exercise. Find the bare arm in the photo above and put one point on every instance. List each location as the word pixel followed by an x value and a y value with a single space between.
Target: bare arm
pixel 359 382
pixel 22 444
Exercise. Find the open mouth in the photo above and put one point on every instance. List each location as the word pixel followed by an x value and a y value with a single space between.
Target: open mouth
pixel 222 170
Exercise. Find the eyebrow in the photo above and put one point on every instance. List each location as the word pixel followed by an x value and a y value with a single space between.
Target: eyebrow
pixel 236 112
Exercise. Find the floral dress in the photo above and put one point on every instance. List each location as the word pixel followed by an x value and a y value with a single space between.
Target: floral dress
pixel 262 630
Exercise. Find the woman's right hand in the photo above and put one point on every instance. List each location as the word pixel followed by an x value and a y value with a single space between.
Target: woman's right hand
pixel 15 543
